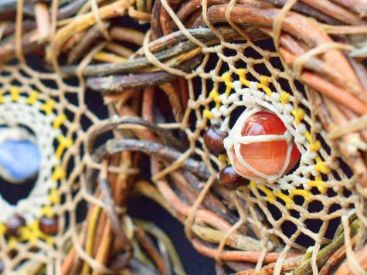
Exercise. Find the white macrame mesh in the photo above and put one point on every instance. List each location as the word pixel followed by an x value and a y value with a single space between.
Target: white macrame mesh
pixel 58 116
pixel 300 208
pixel 286 214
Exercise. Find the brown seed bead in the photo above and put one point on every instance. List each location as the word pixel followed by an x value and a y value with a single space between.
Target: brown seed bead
pixel 14 223
pixel 48 225
pixel 228 178
pixel 213 139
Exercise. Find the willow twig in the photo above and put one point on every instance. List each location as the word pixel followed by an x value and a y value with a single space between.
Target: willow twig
pixel 242 256
pixel 288 265
pixel 29 44
pixel 150 249
pixel 307 10
pixel 142 269
pixel 135 64
pixel 70 9
pixel 114 122
pixel 91 35
pixel 159 234
pixel 159 150
pixel 119 83
pixel 235 240
pixel 111 212
pixel 324 254
pixel 189 183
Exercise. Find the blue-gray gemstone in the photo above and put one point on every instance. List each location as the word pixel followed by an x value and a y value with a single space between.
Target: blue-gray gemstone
pixel 19 160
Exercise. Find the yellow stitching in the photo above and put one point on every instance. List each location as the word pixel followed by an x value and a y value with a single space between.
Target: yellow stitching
pixel 321 166
pixel 228 81
pixel 284 97
pixel 48 107
pixel 264 82
pixel 32 98
pixel 54 196
pixel 207 114
pixel 47 211
pixel 58 173
pixel 315 145
pixel 299 114
pixel 2 229
pixel 269 194
pixel 288 201
pixel 215 96
pixel 305 194
pixel 59 120
pixel 64 143
pixel 15 93
pixel 319 184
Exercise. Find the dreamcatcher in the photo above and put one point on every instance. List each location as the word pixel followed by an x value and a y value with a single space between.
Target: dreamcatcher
pixel 244 119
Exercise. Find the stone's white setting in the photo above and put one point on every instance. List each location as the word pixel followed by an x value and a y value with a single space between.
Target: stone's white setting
pixel 17 114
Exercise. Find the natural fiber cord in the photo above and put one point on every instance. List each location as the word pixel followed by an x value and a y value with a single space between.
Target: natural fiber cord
pixel 180 82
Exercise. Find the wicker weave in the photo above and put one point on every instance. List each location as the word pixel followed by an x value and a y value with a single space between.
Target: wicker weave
pixel 168 70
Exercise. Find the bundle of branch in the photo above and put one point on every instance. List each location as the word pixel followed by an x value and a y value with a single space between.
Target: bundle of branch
pixel 320 45
pixel 152 82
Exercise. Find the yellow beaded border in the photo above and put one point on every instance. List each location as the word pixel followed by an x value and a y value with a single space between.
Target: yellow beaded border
pixel 31 231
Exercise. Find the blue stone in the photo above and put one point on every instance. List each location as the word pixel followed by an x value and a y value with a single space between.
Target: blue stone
pixel 19 160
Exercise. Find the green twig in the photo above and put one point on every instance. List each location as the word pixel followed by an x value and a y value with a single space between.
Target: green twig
pixel 305 268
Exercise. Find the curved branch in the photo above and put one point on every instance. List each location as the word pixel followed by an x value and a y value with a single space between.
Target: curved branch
pixel 116 146
pixel 114 122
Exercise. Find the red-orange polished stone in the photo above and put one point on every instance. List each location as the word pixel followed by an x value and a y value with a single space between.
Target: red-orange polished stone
pixel 266 157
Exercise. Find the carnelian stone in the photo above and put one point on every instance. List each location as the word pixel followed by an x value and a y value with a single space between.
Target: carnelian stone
pixel 266 157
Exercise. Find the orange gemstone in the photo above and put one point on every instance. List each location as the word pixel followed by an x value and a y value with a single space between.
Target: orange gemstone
pixel 266 157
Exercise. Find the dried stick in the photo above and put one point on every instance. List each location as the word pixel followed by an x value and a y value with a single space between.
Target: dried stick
pixel 161 151
pixel 150 249
pixel 288 265
pixel 324 253
pixel 242 256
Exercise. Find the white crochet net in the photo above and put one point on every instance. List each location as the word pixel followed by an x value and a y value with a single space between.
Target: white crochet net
pixel 302 208
pixel 58 116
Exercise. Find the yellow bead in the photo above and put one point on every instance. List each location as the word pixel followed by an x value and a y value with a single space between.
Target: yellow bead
pixel 284 97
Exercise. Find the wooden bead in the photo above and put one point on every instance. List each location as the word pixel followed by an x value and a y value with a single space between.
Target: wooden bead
pixel 213 139
pixel 48 225
pixel 14 223
pixel 230 179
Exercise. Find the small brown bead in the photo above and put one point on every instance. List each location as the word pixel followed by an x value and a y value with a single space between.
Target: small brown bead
pixel 230 179
pixel 213 139
pixel 48 225
pixel 14 223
